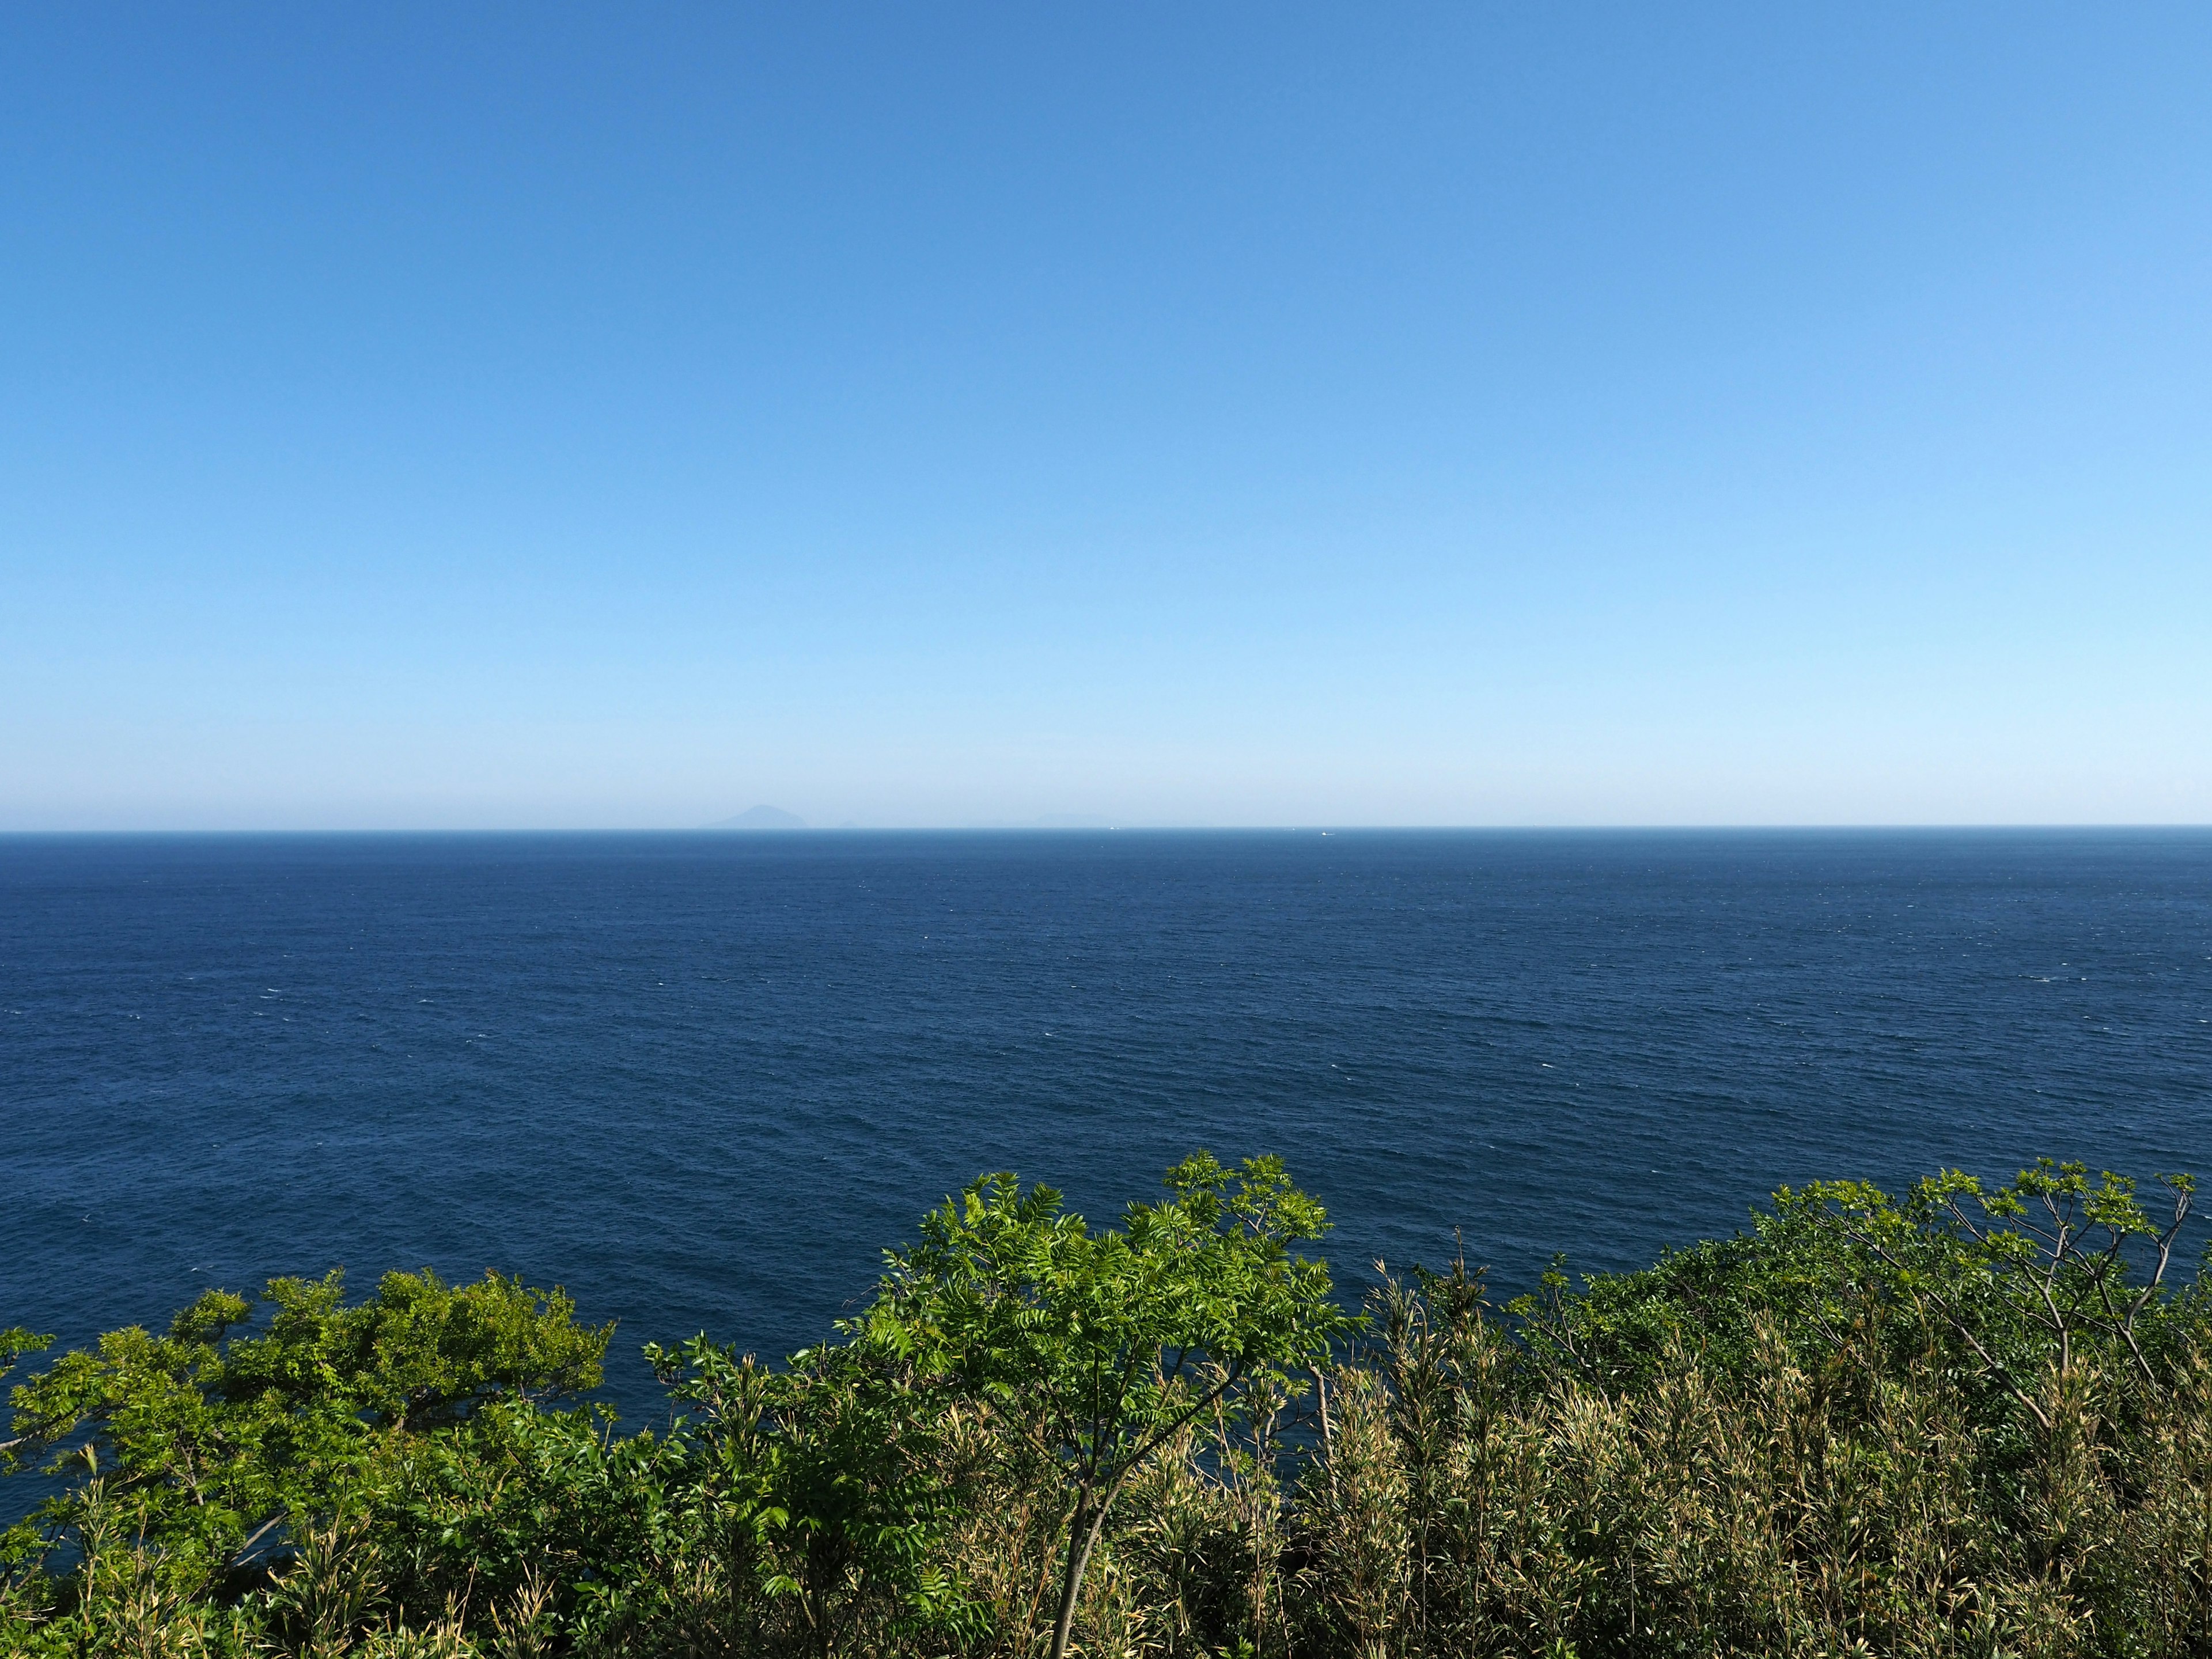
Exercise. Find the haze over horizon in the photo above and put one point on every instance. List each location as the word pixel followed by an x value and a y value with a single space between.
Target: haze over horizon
pixel 1444 416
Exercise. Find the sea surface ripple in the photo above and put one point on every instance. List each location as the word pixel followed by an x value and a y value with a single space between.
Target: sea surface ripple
pixel 702 1080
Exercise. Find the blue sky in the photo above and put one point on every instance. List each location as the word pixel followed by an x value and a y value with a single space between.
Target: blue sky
pixel 536 415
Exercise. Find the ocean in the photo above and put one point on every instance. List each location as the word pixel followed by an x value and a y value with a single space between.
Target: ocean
pixel 703 1080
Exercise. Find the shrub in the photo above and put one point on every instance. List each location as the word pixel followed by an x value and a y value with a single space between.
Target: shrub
pixel 1973 1421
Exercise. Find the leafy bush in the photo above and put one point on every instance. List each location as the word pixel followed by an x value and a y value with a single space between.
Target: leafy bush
pixel 1970 1421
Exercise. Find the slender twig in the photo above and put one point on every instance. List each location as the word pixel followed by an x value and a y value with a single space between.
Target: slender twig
pixel 237 1556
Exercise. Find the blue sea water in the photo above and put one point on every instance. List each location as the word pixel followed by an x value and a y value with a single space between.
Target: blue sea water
pixel 702 1080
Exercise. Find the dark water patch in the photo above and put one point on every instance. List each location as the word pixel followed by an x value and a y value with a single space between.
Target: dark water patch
pixel 701 1080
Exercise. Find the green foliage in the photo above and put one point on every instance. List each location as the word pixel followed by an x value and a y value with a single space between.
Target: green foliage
pixel 216 1433
pixel 2041 1264
pixel 1975 1421
pixel 819 1486
pixel 514 1500
pixel 15 1343
pixel 1103 1344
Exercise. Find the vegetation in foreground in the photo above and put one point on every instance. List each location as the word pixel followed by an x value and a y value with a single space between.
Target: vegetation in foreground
pixel 1976 1421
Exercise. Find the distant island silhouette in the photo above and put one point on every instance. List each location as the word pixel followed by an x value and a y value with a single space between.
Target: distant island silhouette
pixel 762 818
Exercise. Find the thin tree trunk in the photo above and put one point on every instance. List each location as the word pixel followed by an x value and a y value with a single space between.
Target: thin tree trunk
pixel 1082 1535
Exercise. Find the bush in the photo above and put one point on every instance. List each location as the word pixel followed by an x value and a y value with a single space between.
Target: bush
pixel 1967 1422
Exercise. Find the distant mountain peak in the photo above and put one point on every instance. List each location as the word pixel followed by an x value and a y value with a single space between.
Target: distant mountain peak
pixel 762 818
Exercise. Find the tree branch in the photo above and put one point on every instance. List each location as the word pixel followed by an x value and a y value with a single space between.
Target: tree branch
pixel 237 1556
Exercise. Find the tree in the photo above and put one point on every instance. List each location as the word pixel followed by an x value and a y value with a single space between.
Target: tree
pixel 2055 1247
pixel 1100 1347
pixel 816 1483
pixel 217 1432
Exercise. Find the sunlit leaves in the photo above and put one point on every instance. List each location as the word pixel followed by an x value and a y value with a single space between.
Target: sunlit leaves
pixel 1101 1344
pixel 223 1425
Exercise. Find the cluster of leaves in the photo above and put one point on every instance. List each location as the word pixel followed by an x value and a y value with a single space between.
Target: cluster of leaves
pixel 299 1469
pixel 1972 1421
pixel 217 1430
pixel 1102 1347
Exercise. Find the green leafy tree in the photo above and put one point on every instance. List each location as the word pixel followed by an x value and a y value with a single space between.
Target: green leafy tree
pixel 523 1505
pixel 1104 1345
pixel 818 1483
pixel 215 1433
pixel 2067 1262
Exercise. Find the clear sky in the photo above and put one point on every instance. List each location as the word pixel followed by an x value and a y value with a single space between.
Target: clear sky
pixel 539 416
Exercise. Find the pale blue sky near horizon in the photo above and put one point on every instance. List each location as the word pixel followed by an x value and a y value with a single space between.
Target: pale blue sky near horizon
pixel 550 417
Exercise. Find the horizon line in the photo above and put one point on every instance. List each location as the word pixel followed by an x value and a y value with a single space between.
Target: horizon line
pixel 1001 826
